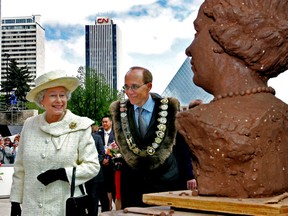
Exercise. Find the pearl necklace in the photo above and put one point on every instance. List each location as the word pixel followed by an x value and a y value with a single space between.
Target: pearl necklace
pixel 255 90
pixel 160 133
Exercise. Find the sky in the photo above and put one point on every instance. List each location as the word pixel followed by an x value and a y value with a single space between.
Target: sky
pixel 154 34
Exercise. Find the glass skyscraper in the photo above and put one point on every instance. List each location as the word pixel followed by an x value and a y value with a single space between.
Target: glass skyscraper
pixel 102 50
pixel 182 87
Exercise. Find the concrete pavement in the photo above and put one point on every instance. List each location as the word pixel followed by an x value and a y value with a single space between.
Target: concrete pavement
pixel 4 207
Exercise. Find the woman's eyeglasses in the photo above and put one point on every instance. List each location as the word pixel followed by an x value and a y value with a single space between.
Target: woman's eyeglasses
pixel 133 87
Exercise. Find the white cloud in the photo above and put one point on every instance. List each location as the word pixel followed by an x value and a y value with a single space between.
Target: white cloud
pixel 143 35
pixel 56 55
pixel 65 11
pixel 280 85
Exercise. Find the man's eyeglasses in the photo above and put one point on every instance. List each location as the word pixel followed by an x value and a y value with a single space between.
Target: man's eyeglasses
pixel 133 87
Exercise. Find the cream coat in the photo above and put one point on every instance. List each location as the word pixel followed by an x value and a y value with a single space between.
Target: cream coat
pixel 44 146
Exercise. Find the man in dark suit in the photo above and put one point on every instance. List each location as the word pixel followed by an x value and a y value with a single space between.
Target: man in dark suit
pixel 107 135
pixel 95 187
pixel 145 131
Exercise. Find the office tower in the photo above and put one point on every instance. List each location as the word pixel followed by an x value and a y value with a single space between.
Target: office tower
pixel 182 87
pixel 23 39
pixel 102 50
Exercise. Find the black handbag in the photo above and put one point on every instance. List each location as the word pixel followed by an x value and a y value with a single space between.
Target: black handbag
pixel 77 206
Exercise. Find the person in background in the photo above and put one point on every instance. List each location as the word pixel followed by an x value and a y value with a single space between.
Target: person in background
pixel 7 141
pixel 51 144
pixel 2 150
pixel 17 138
pixel 107 135
pixel 5 150
pixel 151 161
pixel 13 100
pixel 16 143
pixel 10 151
pixel 95 128
pixel 95 187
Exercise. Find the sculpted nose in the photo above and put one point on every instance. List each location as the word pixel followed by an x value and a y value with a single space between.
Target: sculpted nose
pixel 187 51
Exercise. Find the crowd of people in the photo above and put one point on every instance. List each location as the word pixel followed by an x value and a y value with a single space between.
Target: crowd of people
pixel 8 148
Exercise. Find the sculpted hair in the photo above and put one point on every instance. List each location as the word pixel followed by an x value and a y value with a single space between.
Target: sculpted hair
pixel 252 30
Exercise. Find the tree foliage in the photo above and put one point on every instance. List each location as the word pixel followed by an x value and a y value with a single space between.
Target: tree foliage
pixel 34 106
pixel 93 97
pixel 17 80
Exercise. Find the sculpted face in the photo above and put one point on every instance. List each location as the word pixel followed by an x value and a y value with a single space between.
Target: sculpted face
pixel 204 60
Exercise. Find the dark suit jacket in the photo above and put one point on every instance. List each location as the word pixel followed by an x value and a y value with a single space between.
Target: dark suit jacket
pixel 95 186
pixel 108 171
pixel 101 133
pixel 101 155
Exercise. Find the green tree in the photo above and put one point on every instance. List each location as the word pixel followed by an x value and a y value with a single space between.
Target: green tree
pixel 34 106
pixel 17 79
pixel 93 97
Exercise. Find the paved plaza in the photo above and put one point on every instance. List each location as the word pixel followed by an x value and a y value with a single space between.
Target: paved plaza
pixel 4 207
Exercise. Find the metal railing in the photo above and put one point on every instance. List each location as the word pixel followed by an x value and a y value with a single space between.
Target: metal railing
pixel 12 107
pixel 13 110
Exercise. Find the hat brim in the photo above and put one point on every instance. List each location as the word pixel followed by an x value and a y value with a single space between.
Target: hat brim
pixel 70 83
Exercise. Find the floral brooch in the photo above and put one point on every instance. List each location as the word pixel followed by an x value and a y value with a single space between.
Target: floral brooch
pixel 72 125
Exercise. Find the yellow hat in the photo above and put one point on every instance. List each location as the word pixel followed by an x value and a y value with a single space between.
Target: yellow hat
pixel 50 80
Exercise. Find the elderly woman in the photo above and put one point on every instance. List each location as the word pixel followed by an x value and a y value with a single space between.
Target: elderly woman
pixel 240 139
pixel 52 144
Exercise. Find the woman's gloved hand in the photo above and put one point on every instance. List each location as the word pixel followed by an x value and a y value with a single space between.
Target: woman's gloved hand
pixel 52 175
pixel 15 209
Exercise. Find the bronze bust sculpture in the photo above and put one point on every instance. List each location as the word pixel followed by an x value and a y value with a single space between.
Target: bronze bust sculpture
pixel 240 139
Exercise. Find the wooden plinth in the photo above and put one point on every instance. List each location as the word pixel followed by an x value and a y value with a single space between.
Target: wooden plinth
pixel 185 200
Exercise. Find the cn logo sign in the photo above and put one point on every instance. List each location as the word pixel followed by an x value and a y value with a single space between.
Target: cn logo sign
pixel 103 20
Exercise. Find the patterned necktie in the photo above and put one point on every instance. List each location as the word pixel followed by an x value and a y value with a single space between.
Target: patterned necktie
pixel 141 122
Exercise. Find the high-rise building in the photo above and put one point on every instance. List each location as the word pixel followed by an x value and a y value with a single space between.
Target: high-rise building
pixel 182 87
pixel 23 39
pixel 102 50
